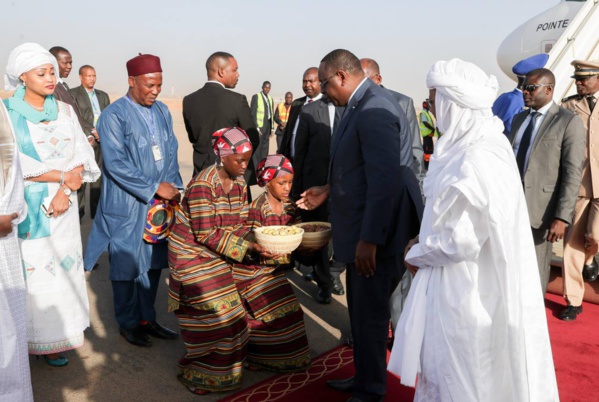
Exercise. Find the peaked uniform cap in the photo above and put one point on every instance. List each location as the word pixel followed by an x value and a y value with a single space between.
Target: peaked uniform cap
pixel 585 68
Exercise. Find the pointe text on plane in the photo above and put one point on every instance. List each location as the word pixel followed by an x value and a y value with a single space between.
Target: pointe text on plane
pixel 553 25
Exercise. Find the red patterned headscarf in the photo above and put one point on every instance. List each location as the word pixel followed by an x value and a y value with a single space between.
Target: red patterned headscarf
pixel 230 141
pixel 271 167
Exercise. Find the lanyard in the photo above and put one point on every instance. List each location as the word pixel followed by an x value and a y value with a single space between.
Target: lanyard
pixel 92 94
pixel 151 123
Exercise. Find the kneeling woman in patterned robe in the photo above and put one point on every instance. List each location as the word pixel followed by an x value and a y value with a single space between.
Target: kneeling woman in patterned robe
pixel 229 310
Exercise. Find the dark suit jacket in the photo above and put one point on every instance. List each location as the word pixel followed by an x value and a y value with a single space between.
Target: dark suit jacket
pixel 413 131
pixel 373 198
pixel 312 147
pixel 208 110
pixel 296 107
pixel 63 94
pixel 554 172
pixel 81 99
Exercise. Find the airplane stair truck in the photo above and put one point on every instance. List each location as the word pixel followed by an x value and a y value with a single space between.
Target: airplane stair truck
pixel 568 31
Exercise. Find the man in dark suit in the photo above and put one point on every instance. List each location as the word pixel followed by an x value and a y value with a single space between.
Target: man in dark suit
pixel 549 144
pixel 311 88
pixel 263 111
pixel 375 207
pixel 214 107
pixel 311 165
pixel 90 102
pixel 61 90
pixel 411 132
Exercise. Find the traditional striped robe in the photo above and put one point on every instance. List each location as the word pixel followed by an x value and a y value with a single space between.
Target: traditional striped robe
pixel 228 310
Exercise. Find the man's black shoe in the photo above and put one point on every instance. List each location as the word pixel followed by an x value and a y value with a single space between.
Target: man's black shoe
pixel 135 336
pixel 158 331
pixel 337 286
pixel 310 276
pixel 570 313
pixel 344 385
pixel 323 296
pixel 590 272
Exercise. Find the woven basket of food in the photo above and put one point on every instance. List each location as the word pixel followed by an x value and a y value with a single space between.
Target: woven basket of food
pixel 316 235
pixel 279 239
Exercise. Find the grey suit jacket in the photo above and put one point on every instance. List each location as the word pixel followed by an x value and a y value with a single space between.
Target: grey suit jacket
pixel 407 105
pixel 84 104
pixel 554 172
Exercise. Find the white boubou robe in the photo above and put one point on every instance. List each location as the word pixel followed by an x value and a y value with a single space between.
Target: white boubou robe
pixel 474 325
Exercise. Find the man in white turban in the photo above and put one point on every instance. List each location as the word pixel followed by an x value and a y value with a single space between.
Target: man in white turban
pixel 474 326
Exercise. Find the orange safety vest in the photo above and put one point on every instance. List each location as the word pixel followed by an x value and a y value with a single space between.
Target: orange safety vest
pixel 283 112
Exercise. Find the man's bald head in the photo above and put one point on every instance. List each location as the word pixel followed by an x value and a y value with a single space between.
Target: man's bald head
pixel 340 73
pixel 344 60
pixel 217 60
pixel 222 67
pixel 543 74
pixel 372 70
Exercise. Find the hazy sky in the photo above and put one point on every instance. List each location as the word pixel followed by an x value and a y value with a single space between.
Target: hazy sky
pixel 271 40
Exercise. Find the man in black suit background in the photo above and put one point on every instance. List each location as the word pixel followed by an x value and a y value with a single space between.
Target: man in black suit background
pixel 213 107
pixel 91 102
pixel 311 164
pixel 375 208
pixel 311 88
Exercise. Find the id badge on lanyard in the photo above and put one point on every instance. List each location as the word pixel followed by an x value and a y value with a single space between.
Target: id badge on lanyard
pixel 157 153
pixel 152 127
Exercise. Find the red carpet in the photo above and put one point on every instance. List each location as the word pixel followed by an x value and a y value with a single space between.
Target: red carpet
pixel 575 353
pixel 311 385
pixel 575 348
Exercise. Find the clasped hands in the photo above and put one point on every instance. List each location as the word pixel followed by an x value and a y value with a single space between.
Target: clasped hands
pixel 73 179
pixel 167 191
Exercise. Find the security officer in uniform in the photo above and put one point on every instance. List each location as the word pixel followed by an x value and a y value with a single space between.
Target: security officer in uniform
pixel 581 242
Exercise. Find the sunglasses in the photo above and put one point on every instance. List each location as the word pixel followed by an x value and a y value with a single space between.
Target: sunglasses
pixel 533 87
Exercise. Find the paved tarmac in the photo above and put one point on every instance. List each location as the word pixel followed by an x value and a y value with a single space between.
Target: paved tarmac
pixel 107 368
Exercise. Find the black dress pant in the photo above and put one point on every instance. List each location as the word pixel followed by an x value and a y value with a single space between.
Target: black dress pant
pixel 369 314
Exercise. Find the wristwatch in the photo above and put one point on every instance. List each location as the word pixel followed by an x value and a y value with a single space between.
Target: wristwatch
pixel 66 190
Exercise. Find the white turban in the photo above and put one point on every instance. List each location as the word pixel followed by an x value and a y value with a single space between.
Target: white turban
pixel 463 103
pixel 463 83
pixel 25 58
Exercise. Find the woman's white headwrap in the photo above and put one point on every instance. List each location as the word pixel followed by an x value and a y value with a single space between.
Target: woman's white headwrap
pixel 463 103
pixel 24 58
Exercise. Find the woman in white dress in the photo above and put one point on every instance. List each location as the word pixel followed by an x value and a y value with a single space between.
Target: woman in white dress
pixel 55 159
